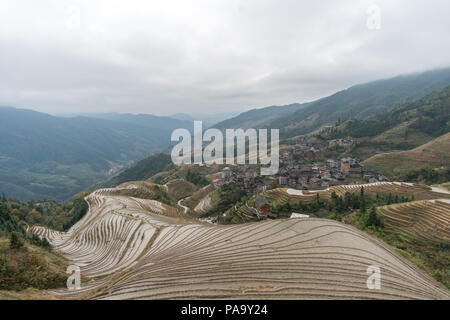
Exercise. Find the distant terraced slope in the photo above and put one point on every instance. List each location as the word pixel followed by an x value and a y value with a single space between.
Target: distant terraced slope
pixel 145 254
pixel 425 220
pixel 435 153
pixel 420 192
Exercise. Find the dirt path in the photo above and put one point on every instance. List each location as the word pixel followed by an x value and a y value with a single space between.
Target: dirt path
pixel 186 209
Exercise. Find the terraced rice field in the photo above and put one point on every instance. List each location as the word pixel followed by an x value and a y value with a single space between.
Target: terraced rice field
pixel 245 212
pixel 202 200
pixel 425 220
pixel 420 192
pixel 203 205
pixel 143 252
pixel 279 195
pixel 180 188
pixel 113 234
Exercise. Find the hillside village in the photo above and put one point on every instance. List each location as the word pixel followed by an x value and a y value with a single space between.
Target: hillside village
pixel 302 166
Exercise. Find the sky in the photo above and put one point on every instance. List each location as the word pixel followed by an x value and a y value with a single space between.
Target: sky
pixel 204 56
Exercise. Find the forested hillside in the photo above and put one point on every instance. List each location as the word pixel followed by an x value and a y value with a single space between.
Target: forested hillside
pixel 142 170
pixel 48 157
pixel 405 127
pixel 359 101
pixel 362 101
pixel 259 118
pixel 429 115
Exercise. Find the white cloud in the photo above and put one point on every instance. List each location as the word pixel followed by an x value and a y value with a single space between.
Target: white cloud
pixel 206 56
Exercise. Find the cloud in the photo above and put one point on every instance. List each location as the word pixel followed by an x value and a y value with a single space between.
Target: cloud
pixel 206 56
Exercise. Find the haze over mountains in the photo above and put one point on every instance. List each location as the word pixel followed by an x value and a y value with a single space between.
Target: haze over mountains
pixel 50 157
pixel 358 101
pixel 207 119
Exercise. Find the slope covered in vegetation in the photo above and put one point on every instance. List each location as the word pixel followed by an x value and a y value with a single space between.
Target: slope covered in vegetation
pixel 428 163
pixel 48 157
pixel 142 170
pixel 429 115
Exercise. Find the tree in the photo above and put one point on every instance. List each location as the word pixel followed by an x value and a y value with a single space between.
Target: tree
pixel 45 243
pixel 15 241
pixel 196 178
pixel 363 201
pixel 373 219
pixel 389 201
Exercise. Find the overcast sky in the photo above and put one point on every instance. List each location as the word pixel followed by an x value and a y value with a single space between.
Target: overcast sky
pixel 164 57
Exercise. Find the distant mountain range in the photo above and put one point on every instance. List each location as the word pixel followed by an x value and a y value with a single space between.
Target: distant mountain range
pixel 405 126
pixel 208 119
pixel 54 157
pixel 260 118
pixel 410 142
pixel 49 157
pixel 359 101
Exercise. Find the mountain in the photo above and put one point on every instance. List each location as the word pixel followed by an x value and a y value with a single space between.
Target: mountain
pixel 429 114
pixel 259 118
pixel 142 170
pixel 149 121
pixel 49 157
pixel 208 119
pixel 404 127
pixel 359 101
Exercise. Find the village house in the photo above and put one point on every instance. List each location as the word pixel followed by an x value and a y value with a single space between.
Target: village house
pixel 340 143
pixel 315 182
pixel 345 166
pixel 282 181
pixel 263 207
pixel 368 174
pixel 355 171
pixel 226 172
pixel 346 163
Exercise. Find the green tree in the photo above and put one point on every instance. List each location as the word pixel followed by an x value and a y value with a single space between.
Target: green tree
pixel 373 219
pixel 363 201
pixel 45 243
pixel 15 240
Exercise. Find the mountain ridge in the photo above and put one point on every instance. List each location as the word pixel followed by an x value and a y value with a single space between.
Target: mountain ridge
pixel 358 101
pixel 48 157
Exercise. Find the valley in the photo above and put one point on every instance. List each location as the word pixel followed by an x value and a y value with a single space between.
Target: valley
pixel 354 191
